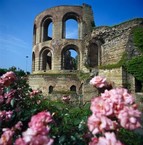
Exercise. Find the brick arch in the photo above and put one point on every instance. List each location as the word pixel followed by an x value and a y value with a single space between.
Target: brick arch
pixel 33 61
pixel 34 34
pixel 71 15
pixel 93 55
pixel 66 59
pixel 45 59
pixel 44 25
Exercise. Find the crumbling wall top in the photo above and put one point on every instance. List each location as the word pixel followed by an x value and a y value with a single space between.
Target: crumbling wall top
pixel 116 30
pixel 58 11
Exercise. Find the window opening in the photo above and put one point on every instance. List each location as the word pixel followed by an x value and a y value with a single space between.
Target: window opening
pixel 47 60
pixel 71 29
pixel 93 55
pixel 138 86
pixel 50 89
pixel 49 31
pixel 73 88
pixel 34 35
pixel 33 61
pixel 70 59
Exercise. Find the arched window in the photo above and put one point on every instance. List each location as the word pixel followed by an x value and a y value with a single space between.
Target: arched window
pixel 33 61
pixel 46 60
pixel 73 88
pixel 50 89
pixel 50 30
pixel 71 28
pixel 47 29
pixel 70 58
pixel 34 34
pixel 93 55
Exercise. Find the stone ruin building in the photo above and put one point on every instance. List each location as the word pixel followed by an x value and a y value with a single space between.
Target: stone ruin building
pixel 57 73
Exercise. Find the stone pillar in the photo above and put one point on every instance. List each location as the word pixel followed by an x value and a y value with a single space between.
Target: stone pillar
pixel 56 59
pixel 38 35
pixel 36 63
pixel 87 19
pixel 57 30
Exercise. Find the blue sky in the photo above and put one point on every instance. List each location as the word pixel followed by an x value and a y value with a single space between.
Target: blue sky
pixel 17 18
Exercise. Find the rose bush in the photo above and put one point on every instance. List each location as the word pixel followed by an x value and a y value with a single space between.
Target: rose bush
pixel 16 101
pixel 28 117
pixel 112 110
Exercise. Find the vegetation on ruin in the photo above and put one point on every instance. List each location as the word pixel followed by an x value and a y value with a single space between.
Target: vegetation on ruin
pixel 83 76
pixel 119 64
pixel 138 38
pixel 134 66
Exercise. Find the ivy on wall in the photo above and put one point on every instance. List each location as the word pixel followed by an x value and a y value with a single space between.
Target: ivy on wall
pixel 135 65
pixel 138 38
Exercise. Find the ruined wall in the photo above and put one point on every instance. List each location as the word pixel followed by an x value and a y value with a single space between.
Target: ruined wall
pixel 57 81
pixel 56 47
pixel 58 16
pixel 113 75
pixel 96 46
pixel 115 40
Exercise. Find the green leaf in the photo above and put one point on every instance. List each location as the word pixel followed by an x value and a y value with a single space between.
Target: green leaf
pixel 12 102
pixel 62 139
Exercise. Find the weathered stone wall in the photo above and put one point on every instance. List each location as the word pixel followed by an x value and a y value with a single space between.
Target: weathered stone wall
pixel 58 15
pixel 119 78
pixel 113 75
pixel 89 91
pixel 59 82
pixel 56 47
pixel 115 40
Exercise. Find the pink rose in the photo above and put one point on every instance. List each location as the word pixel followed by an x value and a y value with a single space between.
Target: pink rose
pixel 98 81
pixel 66 99
pixel 8 78
pixel 39 120
pixel 94 141
pixel 98 105
pixel 20 141
pixel 129 118
pixel 109 139
pixel 41 140
pixel 6 137
pixel 98 123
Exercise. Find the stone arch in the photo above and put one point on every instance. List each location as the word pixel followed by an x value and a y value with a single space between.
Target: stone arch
pixel 72 16
pixel 68 62
pixel 45 24
pixel 73 88
pixel 45 59
pixel 33 61
pixel 93 55
pixel 34 34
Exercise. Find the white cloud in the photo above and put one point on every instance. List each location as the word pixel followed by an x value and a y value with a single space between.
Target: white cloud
pixel 12 43
pixel 72 34
pixel 13 51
